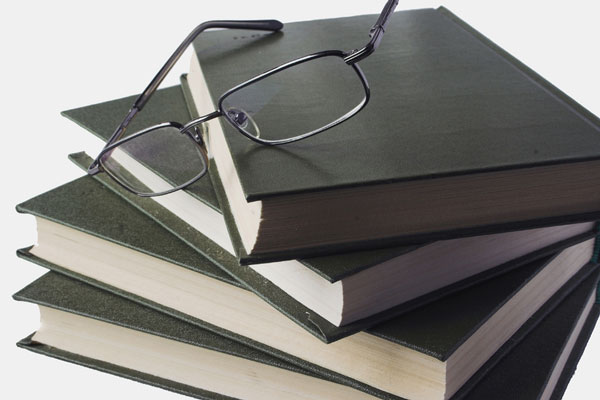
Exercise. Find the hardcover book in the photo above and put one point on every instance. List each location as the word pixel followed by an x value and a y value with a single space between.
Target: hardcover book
pixel 442 273
pixel 353 290
pixel 70 309
pixel 458 138
pixel 106 247
pixel 374 181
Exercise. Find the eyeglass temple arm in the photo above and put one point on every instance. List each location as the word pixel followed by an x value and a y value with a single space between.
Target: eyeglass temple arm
pixel 260 25
pixel 376 34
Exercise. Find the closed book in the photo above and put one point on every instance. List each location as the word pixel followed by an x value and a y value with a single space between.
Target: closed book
pixel 472 155
pixel 548 351
pixel 458 138
pixel 351 290
pixel 107 248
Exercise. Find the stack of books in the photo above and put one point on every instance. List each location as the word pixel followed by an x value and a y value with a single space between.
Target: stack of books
pixel 442 244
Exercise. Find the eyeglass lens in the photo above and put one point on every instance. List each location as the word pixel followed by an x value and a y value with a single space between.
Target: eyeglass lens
pixel 157 161
pixel 297 100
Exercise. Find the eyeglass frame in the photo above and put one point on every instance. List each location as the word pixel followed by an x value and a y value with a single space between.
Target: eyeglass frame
pixel 350 58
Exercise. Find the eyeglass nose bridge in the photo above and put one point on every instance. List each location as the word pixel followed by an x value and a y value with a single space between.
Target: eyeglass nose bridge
pixel 194 126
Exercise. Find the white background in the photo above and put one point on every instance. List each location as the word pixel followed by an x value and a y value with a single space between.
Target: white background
pixel 58 55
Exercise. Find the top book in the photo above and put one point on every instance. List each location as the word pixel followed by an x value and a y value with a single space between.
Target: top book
pixel 458 138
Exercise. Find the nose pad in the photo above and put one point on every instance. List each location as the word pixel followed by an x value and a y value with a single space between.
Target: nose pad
pixel 243 120
pixel 196 133
pixel 239 117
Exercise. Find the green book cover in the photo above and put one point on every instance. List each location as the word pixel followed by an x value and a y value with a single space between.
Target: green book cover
pixel 431 330
pixel 551 349
pixel 116 221
pixel 462 98
pixel 545 141
pixel 444 85
pixel 100 120
pixel 170 104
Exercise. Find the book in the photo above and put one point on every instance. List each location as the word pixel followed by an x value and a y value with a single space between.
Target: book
pixel 69 381
pixel 108 250
pixel 182 208
pixel 459 157
pixel 79 319
pixel 268 290
pixel 548 351
pixel 353 289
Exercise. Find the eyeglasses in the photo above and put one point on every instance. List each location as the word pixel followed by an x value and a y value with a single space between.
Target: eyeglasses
pixel 287 90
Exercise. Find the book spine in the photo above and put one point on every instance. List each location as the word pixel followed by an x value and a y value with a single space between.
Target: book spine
pixel 596 258
pixel 596 253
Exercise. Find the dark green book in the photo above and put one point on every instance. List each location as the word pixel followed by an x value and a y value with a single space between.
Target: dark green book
pixel 476 130
pixel 353 290
pixel 118 248
pixel 459 138
pixel 539 363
